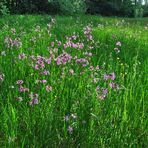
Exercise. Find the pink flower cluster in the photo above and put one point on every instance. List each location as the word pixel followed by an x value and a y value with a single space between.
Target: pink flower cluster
pixel 45 72
pixel 87 33
pixel 39 62
pixel 79 64
pixel 21 88
pixel 70 118
pixel 92 68
pixel 34 99
pixel 13 43
pixel 73 45
pixel 41 81
pixel 48 88
pixel 63 58
pixel 82 61
pixel 21 56
pixel 101 93
pixel 111 76
pixel 114 86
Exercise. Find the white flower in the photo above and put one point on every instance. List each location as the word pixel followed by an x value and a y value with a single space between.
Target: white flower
pixel 3 53
pixel 118 44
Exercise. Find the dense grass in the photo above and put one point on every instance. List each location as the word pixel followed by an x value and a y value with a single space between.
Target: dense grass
pixel 72 113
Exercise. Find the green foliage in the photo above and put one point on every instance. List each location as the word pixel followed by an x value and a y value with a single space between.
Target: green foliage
pixel 104 8
pixel 139 12
pixel 100 7
pixel 145 14
pixel 127 8
pixel 3 8
pixel 70 6
pixel 112 7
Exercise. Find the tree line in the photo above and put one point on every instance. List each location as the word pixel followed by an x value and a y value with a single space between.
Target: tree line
pixel 129 8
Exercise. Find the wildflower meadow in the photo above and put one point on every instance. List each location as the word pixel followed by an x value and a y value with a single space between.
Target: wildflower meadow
pixel 76 81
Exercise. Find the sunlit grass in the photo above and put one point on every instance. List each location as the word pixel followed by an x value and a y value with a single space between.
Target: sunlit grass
pixel 67 111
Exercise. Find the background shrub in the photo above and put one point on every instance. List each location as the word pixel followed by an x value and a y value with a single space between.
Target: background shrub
pixel 69 6
pixel 4 10
pixel 128 8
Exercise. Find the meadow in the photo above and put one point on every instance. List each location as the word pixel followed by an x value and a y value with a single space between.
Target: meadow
pixel 76 81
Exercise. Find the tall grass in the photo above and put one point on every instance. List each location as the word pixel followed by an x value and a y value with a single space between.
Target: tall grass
pixel 66 110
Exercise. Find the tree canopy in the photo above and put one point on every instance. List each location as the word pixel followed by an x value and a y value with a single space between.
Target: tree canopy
pixel 101 7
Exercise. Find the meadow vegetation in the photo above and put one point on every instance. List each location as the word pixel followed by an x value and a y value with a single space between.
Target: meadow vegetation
pixel 76 81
